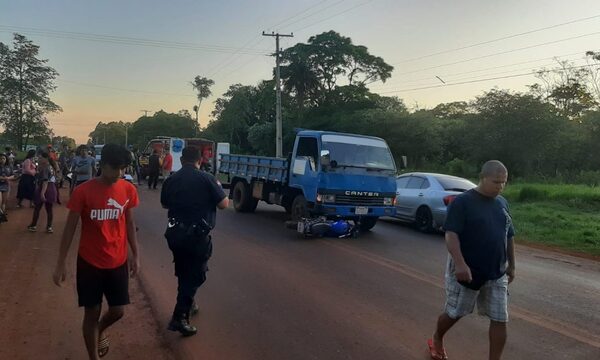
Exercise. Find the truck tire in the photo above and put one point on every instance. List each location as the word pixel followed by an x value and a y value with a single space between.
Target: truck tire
pixel 287 204
pixel 242 199
pixel 299 209
pixel 367 223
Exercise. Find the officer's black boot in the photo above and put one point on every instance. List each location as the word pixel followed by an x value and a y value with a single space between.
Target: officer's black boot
pixel 194 310
pixel 180 322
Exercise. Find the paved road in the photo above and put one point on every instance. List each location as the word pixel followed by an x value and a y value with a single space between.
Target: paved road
pixel 273 295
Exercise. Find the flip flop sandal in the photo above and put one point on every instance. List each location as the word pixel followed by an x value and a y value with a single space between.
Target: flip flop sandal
pixel 433 352
pixel 103 346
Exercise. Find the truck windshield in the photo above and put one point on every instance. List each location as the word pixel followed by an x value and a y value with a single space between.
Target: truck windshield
pixel 358 152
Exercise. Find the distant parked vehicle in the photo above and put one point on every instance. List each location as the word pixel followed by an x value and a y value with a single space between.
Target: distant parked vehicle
pixel 423 198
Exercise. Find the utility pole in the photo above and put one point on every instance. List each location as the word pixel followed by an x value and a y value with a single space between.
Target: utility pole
pixel 145 112
pixel 278 122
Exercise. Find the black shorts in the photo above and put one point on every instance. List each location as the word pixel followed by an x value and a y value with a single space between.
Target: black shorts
pixel 93 283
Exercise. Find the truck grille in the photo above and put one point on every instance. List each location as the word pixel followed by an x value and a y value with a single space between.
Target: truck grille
pixel 359 200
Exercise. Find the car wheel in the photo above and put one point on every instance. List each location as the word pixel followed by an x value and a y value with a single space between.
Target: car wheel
pixel 424 220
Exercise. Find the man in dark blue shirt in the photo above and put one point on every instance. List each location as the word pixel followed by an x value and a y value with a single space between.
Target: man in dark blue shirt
pixel 191 196
pixel 153 169
pixel 479 236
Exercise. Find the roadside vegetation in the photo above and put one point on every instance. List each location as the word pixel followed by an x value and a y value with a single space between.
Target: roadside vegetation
pixel 562 216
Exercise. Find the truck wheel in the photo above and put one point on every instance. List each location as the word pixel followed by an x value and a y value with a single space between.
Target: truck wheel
pixel 287 205
pixel 242 200
pixel 424 220
pixel 367 223
pixel 299 209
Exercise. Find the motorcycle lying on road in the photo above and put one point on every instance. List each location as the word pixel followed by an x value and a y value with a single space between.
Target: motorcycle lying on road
pixel 322 227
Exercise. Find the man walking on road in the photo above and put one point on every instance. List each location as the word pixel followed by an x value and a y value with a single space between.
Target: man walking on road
pixel 479 236
pixel 153 169
pixel 105 206
pixel 191 196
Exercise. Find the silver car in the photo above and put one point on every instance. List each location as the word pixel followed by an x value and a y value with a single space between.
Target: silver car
pixel 423 198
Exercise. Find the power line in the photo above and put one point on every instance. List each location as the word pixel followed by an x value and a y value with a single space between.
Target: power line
pixel 482 69
pixel 121 89
pixel 313 14
pixel 498 39
pixel 333 15
pixel 480 80
pixel 222 65
pixel 501 53
pixel 258 39
pixel 121 40
pixel 300 13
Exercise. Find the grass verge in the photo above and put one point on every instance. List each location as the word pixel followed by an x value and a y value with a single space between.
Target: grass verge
pixel 562 216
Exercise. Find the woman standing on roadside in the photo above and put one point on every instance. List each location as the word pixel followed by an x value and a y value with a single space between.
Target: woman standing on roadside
pixel 27 182
pixel 5 175
pixel 45 192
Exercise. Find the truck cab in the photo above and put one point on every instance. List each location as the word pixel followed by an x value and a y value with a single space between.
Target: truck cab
pixel 345 175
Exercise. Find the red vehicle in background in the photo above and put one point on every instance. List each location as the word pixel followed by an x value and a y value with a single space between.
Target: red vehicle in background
pixel 175 146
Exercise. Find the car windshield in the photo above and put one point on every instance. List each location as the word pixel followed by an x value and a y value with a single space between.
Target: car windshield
pixel 454 183
pixel 358 152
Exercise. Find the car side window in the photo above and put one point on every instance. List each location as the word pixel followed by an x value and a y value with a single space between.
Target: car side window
pixel 425 184
pixel 401 182
pixel 415 182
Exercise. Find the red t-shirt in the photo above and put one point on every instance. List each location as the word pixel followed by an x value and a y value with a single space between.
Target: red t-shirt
pixel 102 207
pixel 168 162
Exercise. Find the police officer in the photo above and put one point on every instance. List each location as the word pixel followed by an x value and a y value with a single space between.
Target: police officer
pixel 191 196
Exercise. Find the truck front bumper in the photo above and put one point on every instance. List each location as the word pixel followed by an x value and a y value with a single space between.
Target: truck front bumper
pixel 350 211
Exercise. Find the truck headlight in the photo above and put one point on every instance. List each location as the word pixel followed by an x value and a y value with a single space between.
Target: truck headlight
pixel 326 198
pixel 389 201
pixel 330 198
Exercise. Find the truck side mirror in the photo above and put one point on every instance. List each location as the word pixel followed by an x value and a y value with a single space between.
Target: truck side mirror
pixel 325 159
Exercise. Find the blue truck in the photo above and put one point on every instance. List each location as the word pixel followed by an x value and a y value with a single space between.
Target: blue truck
pixel 328 174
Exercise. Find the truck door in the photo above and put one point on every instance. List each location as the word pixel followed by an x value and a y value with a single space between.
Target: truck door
pixel 304 169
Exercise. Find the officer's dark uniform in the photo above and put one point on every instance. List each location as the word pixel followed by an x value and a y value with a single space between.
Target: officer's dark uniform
pixel 191 197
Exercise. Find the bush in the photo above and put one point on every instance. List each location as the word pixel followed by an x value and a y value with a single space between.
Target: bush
pixel 530 193
pixel 591 178
pixel 459 167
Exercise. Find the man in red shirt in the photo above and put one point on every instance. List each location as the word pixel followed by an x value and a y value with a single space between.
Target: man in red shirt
pixel 104 205
pixel 168 163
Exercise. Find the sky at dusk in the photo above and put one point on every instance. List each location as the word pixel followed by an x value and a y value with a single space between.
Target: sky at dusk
pixel 113 77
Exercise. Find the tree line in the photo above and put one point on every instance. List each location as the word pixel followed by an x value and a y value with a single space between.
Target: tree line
pixel 552 130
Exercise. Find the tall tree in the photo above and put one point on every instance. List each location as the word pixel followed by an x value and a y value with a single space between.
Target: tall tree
pixel 202 86
pixel 25 86
pixel 567 87
pixel 593 60
pixel 312 72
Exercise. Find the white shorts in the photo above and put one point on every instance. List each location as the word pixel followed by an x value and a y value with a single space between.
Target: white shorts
pixel 491 299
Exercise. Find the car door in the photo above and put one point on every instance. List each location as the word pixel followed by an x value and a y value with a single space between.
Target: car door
pixel 413 195
pixel 402 210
